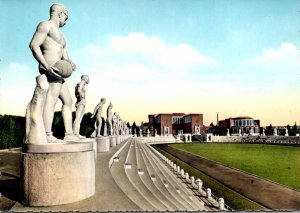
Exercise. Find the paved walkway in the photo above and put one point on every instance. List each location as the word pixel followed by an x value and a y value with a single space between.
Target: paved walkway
pixel 108 196
pixel 264 192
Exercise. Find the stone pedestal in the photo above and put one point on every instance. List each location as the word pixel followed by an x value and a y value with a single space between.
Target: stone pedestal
pixel 118 139
pixel 113 141
pixel 55 174
pixel 103 144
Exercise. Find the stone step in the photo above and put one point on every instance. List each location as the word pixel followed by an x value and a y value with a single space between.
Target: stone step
pixel 186 194
pixel 169 192
pixel 120 177
pixel 135 179
pixel 210 205
pixel 148 180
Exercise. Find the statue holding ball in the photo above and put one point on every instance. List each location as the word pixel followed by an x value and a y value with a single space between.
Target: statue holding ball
pixel 49 48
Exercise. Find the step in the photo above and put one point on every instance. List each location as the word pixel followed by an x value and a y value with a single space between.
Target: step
pixel 120 177
pixel 149 180
pixel 187 195
pixel 169 192
pixel 135 179
pixel 191 192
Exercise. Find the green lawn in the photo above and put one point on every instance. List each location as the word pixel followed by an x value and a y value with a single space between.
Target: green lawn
pixel 280 164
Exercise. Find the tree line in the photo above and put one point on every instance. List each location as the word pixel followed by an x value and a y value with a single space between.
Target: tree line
pixel 12 128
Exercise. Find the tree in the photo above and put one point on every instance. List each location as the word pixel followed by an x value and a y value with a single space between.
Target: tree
pixel 269 130
pixel 294 130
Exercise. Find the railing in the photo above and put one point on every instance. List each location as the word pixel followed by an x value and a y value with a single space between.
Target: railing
pixel 214 200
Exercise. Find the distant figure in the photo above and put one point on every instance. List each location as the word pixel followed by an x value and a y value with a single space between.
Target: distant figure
pixel 48 46
pixel 115 123
pixel 80 104
pixel 286 132
pixel 109 119
pixel 98 112
pixel 275 132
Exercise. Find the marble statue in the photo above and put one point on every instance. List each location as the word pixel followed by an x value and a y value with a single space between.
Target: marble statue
pixel 275 132
pixel 109 119
pixel 98 123
pixel 35 130
pixel 115 123
pixel 286 132
pixel 251 131
pixel 228 133
pixel 80 103
pixel 48 46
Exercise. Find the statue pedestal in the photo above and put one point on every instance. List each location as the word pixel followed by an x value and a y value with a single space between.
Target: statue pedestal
pixel 103 144
pixel 55 174
pixel 113 141
pixel 118 139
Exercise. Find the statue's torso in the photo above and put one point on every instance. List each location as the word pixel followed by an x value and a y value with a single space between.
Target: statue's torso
pixel 53 45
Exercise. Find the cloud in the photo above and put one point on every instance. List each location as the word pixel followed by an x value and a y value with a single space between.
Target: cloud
pixel 286 57
pixel 151 52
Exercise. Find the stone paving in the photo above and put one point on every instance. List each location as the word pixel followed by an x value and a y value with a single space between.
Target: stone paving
pixel 148 184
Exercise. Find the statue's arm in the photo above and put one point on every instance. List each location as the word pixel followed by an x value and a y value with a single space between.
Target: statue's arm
pixel 38 39
pixel 65 55
pixel 95 111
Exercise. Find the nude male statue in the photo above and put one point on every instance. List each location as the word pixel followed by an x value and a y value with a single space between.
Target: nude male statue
pixel 80 104
pixel 49 46
pixel 98 112
pixel 109 119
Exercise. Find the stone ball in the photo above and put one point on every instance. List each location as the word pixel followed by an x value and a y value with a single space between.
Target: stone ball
pixel 64 68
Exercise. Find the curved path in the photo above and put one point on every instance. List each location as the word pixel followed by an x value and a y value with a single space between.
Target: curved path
pixel 262 191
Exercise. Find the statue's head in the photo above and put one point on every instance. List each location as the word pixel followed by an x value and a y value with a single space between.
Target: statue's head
pixel 110 105
pixel 103 100
pixel 85 78
pixel 60 11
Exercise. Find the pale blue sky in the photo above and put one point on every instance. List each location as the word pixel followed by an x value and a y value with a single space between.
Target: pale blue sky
pixel 232 57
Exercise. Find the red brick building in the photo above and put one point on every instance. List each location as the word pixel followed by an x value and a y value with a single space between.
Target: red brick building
pixel 175 123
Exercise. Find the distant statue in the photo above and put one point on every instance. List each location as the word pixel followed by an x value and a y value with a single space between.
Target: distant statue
pixel 228 133
pixel 98 112
pixel 48 47
pixel 264 132
pixel 80 104
pixel 115 123
pixel 109 119
pixel 275 132
pixel 286 131
pixel 252 131
pixel 240 132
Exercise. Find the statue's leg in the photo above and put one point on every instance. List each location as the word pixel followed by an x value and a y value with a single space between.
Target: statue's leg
pixel 99 127
pixel 78 119
pixel 67 102
pixel 51 100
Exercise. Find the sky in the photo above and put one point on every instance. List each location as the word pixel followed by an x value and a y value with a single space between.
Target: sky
pixel 231 57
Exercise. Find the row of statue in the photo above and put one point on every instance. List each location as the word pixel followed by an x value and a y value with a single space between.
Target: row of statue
pixel 48 47
pixel 113 125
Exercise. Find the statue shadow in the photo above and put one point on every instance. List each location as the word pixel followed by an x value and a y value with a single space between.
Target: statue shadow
pixel 10 186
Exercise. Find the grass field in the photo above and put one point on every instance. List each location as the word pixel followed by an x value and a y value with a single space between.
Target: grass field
pixel 280 164
pixel 232 198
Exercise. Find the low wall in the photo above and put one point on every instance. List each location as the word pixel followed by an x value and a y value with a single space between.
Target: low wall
pixel 258 139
